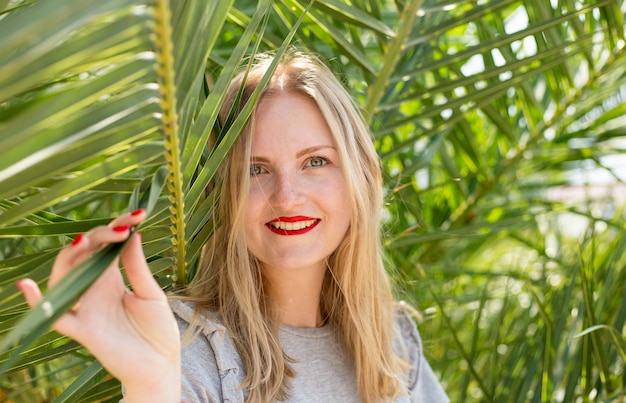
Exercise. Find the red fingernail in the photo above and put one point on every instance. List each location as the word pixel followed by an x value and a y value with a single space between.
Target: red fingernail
pixel 138 211
pixel 19 285
pixel 77 240
pixel 121 228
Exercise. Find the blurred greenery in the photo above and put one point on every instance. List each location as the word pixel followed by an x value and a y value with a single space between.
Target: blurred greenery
pixel 501 128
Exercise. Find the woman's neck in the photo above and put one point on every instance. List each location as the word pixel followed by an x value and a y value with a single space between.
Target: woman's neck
pixel 294 295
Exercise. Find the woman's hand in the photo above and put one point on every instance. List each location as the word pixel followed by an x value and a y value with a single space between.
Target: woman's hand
pixel 133 334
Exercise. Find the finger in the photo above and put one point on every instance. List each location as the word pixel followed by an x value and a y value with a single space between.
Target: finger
pixel 116 231
pixel 83 246
pixel 66 324
pixel 99 235
pixel 138 272
pixel 131 219
pixel 63 262
pixel 86 244
pixel 30 290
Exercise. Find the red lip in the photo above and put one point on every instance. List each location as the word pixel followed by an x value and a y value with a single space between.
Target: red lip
pixel 292 219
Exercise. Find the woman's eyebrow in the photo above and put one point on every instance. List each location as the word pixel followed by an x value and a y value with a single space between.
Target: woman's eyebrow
pixel 258 159
pixel 313 149
pixel 299 154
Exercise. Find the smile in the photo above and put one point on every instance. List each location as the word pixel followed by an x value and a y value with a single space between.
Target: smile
pixel 292 225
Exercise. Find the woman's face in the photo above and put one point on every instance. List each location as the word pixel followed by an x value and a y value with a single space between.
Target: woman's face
pixel 297 211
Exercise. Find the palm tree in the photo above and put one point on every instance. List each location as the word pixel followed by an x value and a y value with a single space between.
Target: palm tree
pixel 492 119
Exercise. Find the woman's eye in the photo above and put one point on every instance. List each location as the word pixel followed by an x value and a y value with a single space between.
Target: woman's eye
pixel 256 170
pixel 317 161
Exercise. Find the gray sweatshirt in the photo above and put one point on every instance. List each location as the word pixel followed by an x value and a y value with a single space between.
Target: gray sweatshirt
pixel 212 370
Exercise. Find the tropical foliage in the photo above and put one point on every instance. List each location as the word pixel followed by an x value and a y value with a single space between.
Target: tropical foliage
pixel 500 124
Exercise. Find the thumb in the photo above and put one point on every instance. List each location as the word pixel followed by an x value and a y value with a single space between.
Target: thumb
pixel 138 272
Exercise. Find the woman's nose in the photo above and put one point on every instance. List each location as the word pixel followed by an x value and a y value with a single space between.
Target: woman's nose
pixel 286 190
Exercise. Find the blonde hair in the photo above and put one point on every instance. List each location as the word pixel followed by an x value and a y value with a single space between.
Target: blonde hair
pixel 356 295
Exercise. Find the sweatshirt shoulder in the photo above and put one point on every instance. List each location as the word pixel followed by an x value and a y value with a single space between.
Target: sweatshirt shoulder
pixel 422 382
pixel 186 312
pixel 211 366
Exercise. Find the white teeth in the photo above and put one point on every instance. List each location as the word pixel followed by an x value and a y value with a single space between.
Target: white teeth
pixel 292 226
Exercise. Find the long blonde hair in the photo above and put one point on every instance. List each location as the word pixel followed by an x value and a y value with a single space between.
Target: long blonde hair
pixel 356 295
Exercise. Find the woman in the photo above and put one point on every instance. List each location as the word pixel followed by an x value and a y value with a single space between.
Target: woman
pixel 292 301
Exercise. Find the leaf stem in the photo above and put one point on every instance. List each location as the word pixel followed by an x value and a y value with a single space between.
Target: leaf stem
pixel 164 54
